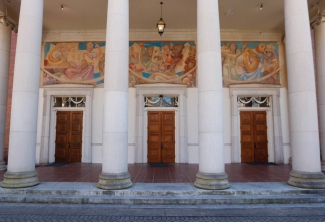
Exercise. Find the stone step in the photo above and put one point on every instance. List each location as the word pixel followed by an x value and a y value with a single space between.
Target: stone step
pixel 163 193
pixel 167 200
pixel 161 189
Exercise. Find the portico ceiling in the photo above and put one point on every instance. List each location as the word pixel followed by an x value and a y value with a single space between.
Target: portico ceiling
pixel 178 14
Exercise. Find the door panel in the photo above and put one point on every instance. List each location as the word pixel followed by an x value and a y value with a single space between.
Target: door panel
pixel 68 141
pixel 168 137
pixel 247 136
pixel 261 154
pixel 62 136
pixel 154 140
pixel 253 136
pixel 161 137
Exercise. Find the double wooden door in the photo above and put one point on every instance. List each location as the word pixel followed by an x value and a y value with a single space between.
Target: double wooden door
pixel 161 136
pixel 253 136
pixel 68 140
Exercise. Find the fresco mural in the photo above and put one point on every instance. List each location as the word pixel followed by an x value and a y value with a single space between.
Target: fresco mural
pixel 160 62
pixel 79 63
pixel 250 62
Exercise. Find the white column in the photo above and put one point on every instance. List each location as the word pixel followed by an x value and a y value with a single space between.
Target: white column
pixel 5 42
pixel 319 28
pixel 23 124
pixel 115 173
pixel 304 136
pixel 211 173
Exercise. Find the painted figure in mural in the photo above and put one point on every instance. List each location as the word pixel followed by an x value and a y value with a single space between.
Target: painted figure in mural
pixel 189 81
pixel 177 54
pixel 253 62
pixel 190 64
pixel 229 60
pixel 90 53
pixel 158 64
pixel 134 59
pixel 272 64
pixel 57 57
pixel 90 56
pixel 72 70
pixel 146 55
pixel 190 60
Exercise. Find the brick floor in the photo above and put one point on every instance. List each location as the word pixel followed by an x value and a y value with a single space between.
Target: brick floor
pixel 174 173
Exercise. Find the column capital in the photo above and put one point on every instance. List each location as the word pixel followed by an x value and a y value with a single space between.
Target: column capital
pixel 4 20
pixel 319 20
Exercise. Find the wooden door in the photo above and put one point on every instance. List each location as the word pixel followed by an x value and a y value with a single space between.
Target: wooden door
pixel 253 136
pixel 161 136
pixel 68 141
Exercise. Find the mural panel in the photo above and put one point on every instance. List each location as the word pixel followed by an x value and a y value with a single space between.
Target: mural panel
pixel 250 62
pixel 78 63
pixel 162 62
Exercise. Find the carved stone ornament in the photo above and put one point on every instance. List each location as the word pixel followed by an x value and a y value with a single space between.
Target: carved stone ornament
pixel 320 19
pixel 4 20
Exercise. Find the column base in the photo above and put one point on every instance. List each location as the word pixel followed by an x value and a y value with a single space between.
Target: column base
pixel 307 180
pixel 114 181
pixel 3 165
pixel 212 181
pixel 323 165
pixel 20 180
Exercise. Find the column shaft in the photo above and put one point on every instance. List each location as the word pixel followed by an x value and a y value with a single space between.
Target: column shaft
pixel 319 28
pixel 5 42
pixel 23 124
pixel 304 135
pixel 115 173
pixel 211 173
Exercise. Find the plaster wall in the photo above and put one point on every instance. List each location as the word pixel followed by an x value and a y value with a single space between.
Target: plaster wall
pixel 97 125
pixel 191 96
pixel 192 125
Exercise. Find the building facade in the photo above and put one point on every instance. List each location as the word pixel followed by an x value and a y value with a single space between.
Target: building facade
pixel 208 95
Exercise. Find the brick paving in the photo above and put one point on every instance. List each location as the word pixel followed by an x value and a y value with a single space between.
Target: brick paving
pixel 36 218
pixel 174 173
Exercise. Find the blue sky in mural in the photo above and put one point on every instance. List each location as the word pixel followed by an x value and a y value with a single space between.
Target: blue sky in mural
pixel 252 45
pixel 161 44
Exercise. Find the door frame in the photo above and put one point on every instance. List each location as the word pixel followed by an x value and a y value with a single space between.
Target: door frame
pixel 141 145
pixel 47 124
pixel 275 144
